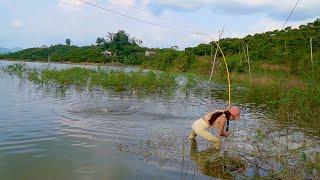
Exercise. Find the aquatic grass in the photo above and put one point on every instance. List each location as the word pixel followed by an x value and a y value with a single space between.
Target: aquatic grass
pixel 136 81
pixel 157 83
pixel 17 69
pixel 74 76
pixel 33 75
pixel 301 107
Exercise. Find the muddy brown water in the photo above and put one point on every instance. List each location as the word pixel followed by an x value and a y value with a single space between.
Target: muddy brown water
pixel 50 133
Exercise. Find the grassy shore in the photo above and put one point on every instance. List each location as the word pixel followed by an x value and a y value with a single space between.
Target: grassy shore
pixel 293 99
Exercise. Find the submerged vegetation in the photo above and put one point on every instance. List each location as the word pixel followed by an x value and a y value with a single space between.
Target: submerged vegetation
pixel 265 158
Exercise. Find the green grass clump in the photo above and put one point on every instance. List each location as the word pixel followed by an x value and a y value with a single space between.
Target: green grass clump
pixel 74 76
pixel 17 69
pixel 119 81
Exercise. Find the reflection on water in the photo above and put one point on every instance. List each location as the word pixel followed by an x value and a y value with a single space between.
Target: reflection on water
pixel 51 133
pixel 211 163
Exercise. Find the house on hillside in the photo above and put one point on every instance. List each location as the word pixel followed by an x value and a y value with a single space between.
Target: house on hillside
pixel 149 53
pixel 107 53
pixel 176 48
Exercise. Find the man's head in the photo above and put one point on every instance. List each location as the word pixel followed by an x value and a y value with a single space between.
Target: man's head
pixel 235 112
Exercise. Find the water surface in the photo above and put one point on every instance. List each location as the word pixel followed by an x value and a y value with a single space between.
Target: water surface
pixel 50 133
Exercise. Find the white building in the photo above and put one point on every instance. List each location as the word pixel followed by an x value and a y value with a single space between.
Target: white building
pixel 149 53
pixel 175 48
pixel 107 53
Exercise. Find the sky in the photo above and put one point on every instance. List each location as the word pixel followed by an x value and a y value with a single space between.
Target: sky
pixel 33 23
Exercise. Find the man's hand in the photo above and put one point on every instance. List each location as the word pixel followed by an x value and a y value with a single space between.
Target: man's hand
pixel 226 134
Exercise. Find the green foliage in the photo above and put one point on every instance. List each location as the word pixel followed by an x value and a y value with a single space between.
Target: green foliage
pixel 162 61
pixel 68 42
pixel 125 50
pixel 100 41
pixel 236 64
pixel 289 46
pixel 183 62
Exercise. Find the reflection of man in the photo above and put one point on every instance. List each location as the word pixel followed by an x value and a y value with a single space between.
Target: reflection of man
pixel 209 161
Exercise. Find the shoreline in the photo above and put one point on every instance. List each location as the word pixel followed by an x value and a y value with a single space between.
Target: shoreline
pixel 69 62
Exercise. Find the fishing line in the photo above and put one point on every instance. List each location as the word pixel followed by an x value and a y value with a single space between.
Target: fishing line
pixel 294 7
pixel 133 18
pixel 147 13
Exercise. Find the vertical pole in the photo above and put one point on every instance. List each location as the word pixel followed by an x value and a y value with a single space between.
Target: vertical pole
pixel 48 60
pixel 240 55
pixel 311 53
pixel 211 55
pixel 245 54
pixel 248 61
pixel 286 50
pixel 287 59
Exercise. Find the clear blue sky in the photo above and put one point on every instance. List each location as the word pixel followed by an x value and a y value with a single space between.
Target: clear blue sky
pixel 34 23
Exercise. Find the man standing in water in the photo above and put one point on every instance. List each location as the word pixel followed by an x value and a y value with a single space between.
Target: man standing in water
pixel 216 120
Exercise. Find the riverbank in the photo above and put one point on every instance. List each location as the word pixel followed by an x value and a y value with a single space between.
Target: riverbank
pixel 68 62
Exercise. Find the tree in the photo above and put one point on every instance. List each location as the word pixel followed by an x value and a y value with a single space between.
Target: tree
pixel 121 38
pixel 110 37
pixel 68 42
pixel 100 40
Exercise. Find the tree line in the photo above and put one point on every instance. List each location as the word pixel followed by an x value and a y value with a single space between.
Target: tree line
pixel 290 46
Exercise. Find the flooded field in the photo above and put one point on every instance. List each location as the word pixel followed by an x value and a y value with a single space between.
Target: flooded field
pixel 48 132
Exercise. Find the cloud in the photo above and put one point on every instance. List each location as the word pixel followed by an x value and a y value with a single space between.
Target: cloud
pixel 16 24
pixel 126 2
pixel 275 9
pixel 73 3
pixel 51 22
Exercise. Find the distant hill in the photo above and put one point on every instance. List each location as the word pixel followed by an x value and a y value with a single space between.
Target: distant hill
pixel 8 50
pixel 290 46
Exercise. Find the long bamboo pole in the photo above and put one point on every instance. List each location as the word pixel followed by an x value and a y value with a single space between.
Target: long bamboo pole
pixel 225 62
pixel 215 55
pixel 226 65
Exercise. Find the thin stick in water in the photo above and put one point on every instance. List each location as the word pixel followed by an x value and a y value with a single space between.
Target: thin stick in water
pixel 249 61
